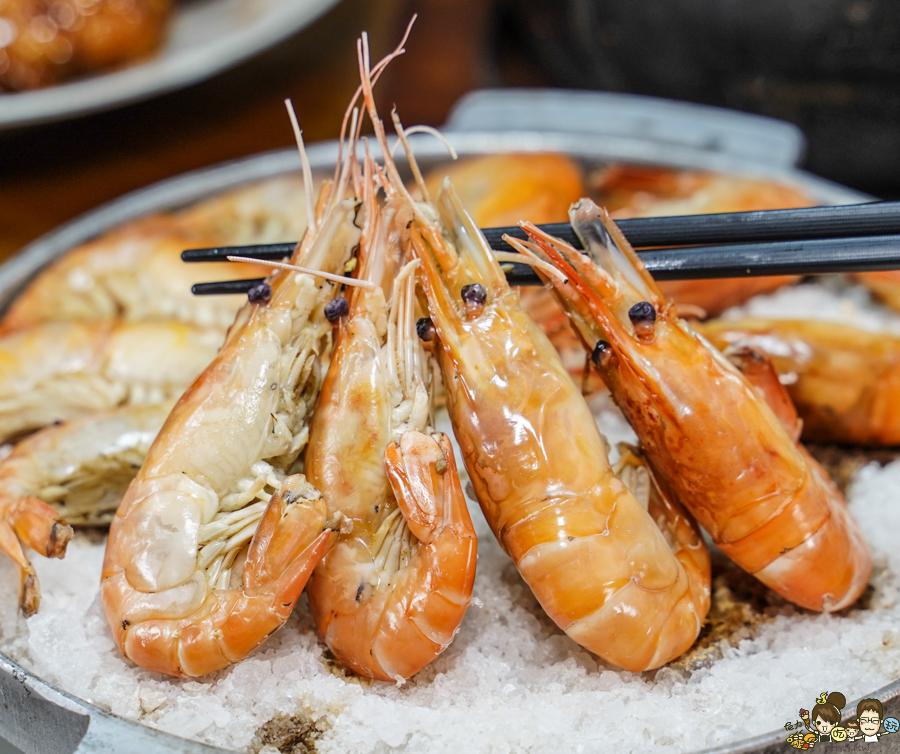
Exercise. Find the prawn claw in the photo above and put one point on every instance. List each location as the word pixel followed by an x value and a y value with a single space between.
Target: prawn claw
pixel 30 521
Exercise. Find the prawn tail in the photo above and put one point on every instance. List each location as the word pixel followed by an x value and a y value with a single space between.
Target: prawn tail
pixel 425 482
pixel 831 567
pixel 192 630
pixel 291 533
pixel 30 521
pixel 806 572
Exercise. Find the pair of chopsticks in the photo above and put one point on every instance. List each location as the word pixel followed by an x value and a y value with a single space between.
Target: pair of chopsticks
pixel 816 240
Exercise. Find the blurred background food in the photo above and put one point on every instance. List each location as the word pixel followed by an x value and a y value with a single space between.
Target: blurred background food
pixel 42 43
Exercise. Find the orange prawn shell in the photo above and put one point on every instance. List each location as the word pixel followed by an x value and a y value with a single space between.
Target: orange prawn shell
pixel 789 505
pixel 514 409
pixel 500 190
pixel 708 434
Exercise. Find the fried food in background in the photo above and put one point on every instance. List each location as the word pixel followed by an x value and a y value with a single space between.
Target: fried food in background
pixel 43 42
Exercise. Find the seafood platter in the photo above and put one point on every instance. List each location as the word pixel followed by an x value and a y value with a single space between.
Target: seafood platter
pixel 602 619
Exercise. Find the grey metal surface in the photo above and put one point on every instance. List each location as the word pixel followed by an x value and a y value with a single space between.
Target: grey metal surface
pixel 644 119
pixel 40 718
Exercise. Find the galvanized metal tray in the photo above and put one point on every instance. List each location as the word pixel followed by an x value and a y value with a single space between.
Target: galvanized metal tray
pixel 594 128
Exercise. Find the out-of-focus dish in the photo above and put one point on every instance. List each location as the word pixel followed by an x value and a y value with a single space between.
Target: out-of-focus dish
pixel 205 36
pixel 43 44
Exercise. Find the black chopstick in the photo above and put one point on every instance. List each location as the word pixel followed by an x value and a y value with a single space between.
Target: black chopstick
pixel 805 257
pixel 854 220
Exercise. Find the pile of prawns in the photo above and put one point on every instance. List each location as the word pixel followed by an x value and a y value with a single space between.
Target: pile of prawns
pixel 304 454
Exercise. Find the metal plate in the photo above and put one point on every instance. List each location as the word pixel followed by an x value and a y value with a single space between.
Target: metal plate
pixel 205 37
pixel 38 717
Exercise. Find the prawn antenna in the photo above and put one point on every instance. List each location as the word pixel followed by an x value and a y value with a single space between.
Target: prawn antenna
pixel 375 74
pixel 344 175
pixel 528 256
pixel 307 171
pixel 413 164
pixel 307 270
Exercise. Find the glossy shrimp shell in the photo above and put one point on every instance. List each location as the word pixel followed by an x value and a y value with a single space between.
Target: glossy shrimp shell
pixel 391 595
pixel 218 533
pixel 597 562
pixel 711 439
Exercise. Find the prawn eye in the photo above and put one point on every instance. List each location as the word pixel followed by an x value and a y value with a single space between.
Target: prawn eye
pixel 643 311
pixel 336 308
pixel 474 293
pixel 602 354
pixel 643 317
pixel 425 329
pixel 260 293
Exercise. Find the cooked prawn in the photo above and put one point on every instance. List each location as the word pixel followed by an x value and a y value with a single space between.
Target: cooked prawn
pixel 390 595
pixel 78 471
pixel 218 533
pixel 136 272
pixel 61 370
pixel 711 439
pixel 844 381
pixel 598 563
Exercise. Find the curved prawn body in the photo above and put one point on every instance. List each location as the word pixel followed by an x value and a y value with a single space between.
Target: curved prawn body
pixel 78 471
pixel 62 370
pixel 711 439
pixel 217 535
pixel 135 271
pixel 598 563
pixel 391 594
pixel 845 382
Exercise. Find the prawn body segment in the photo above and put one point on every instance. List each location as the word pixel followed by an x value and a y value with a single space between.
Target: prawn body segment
pixel 135 272
pixel 392 593
pixel 710 437
pixel 597 562
pixel 30 521
pixel 217 535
